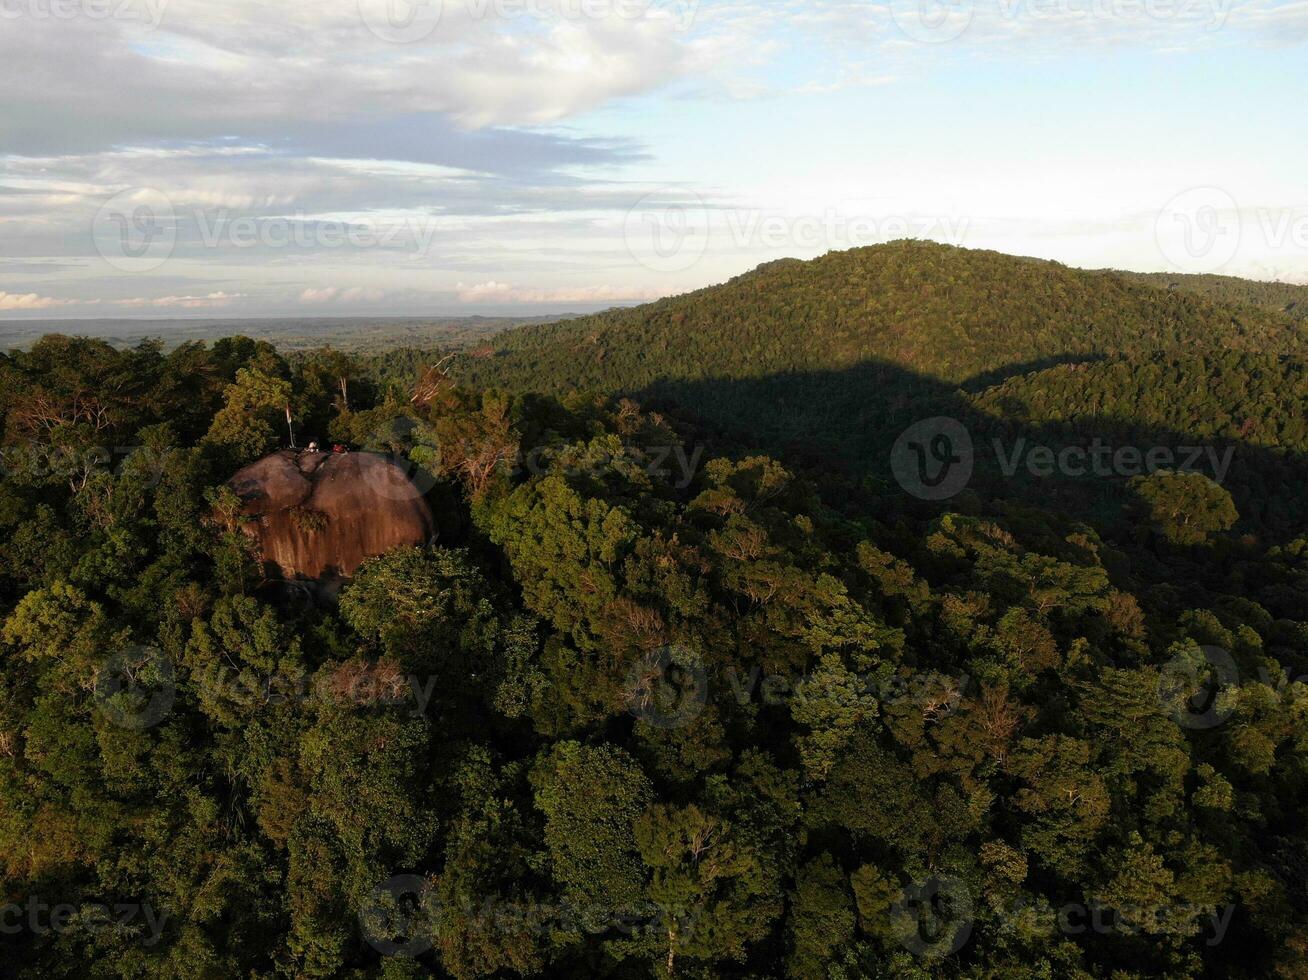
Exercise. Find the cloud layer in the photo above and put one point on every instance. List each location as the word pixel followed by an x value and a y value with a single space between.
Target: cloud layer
pixel 381 155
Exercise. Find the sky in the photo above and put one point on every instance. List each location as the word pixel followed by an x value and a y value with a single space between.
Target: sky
pixel 165 158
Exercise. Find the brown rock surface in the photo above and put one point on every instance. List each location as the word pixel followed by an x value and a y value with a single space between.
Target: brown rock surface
pixel 320 515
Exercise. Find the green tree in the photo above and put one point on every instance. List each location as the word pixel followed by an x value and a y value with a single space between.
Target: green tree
pixel 253 417
pixel 591 797
pixel 1187 508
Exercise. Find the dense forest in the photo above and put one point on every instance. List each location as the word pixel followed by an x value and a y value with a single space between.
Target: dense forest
pixel 950 314
pixel 1281 297
pixel 691 681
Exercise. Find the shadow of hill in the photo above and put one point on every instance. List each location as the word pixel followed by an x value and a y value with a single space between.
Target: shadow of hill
pixel 980 382
pixel 849 420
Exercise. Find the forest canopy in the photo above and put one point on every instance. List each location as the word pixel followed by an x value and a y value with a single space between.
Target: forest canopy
pixel 660 699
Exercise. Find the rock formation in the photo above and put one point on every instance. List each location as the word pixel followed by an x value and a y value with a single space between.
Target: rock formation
pixel 318 516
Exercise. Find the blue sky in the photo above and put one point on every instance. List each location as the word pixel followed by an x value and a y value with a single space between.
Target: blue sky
pixel 163 158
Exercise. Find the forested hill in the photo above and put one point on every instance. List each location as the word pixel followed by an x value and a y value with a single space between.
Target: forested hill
pixel 830 361
pixel 1280 297
pixel 948 313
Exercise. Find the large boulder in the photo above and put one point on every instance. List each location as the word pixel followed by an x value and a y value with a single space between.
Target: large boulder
pixel 318 516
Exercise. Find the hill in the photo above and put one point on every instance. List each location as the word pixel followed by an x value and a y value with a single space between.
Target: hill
pixel 831 359
pixel 949 313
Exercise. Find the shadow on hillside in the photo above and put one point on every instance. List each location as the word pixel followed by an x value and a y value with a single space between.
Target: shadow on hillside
pixel 851 419
pixel 980 382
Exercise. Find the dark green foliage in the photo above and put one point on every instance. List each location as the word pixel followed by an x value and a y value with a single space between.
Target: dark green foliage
pixel 1188 508
pixel 746 717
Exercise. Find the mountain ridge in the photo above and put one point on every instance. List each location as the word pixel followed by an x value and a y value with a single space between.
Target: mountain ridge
pixel 946 312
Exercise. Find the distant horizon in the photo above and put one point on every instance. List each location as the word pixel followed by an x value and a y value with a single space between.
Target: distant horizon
pixel 527 312
pixel 278 316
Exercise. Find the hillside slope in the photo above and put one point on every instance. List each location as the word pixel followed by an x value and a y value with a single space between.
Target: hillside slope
pixel 948 313
pixel 1279 297
pixel 1242 408
pixel 1254 398
pixel 831 359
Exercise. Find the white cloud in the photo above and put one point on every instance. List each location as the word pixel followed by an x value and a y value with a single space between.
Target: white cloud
pixel 29 301
pixel 213 68
pixel 332 294
pixel 207 301
pixel 502 292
